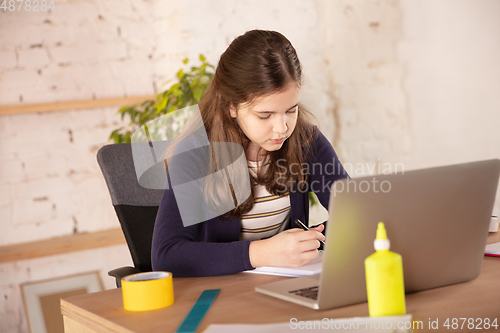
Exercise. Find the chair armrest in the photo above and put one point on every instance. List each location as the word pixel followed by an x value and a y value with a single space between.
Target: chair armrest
pixel 118 273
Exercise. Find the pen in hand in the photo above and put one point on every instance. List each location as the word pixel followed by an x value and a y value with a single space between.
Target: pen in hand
pixel 303 226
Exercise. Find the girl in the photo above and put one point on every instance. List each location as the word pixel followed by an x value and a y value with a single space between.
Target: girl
pixel 253 100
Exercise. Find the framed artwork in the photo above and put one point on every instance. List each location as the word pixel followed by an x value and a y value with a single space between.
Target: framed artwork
pixel 42 299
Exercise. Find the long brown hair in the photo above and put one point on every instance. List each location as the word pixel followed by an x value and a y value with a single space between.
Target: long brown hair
pixel 256 64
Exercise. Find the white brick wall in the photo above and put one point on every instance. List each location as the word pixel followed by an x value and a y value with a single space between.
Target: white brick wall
pixel 368 81
pixel 7 59
pixel 87 49
pixel 33 58
pixel 50 171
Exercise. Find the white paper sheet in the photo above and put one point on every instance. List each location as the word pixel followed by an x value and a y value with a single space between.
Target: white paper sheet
pixel 493 248
pixel 311 268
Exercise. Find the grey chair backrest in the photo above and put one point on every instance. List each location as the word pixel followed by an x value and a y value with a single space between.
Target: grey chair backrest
pixel 135 206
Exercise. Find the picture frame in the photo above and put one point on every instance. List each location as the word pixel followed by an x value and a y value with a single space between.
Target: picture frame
pixel 42 299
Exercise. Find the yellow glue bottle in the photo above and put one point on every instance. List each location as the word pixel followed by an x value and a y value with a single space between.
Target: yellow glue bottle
pixel 384 279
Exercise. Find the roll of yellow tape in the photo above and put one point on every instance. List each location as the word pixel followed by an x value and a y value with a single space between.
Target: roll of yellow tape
pixel 147 291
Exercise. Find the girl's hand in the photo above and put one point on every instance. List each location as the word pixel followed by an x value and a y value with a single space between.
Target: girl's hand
pixel 319 228
pixel 293 248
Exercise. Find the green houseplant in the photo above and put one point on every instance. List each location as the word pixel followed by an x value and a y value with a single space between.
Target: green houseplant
pixel 187 90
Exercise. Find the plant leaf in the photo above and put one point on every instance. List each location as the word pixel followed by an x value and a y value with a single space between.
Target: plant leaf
pixel 161 105
pixel 197 93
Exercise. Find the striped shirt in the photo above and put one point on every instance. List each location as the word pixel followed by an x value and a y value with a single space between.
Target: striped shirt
pixel 270 214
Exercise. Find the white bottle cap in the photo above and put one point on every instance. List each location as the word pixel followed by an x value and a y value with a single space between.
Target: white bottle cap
pixel 494 224
pixel 382 244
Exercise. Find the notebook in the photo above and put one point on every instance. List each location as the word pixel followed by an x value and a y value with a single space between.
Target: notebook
pixel 437 219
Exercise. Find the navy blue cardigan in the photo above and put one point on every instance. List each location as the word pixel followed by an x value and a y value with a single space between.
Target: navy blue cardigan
pixel 213 247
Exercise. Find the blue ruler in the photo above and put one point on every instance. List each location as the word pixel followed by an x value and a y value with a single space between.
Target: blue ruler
pixel 198 311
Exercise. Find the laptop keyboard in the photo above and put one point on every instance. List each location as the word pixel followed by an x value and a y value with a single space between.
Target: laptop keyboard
pixel 311 292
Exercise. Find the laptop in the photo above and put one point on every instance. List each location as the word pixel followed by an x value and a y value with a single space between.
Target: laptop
pixel 437 219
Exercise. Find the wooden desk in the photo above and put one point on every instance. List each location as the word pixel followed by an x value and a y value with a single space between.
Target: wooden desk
pixel 237 302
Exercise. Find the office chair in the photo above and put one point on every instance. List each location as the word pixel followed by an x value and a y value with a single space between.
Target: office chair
pixel 135 206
